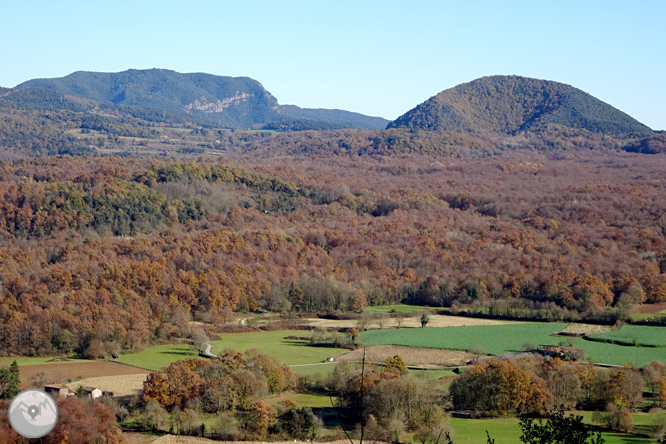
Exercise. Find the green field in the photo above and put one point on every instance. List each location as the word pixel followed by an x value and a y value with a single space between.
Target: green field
pixel 641 334
pixel 319 369
pixel 500 339
pixel 495 339
pixel 600 352
pixel 507 431
pixel 397 308
pixel 431 374
pixel 303 400
pixel 21 361
pixel 645 316
pixel 269 342
pixel 273 343
pixel 160 356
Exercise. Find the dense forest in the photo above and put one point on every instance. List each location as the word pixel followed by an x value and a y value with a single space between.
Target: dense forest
pixel 104 254
pixel 126 242
pixel 232 102
pixel 42 122
pixel 511 104
pixel 129 218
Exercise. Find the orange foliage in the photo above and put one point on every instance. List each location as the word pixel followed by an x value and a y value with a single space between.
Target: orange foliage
pixel 115 251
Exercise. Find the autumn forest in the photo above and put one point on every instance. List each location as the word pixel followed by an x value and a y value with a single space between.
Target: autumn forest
pixel 131 223
pixel 103 254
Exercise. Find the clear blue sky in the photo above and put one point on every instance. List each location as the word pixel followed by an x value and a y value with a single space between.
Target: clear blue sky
pixel 375 57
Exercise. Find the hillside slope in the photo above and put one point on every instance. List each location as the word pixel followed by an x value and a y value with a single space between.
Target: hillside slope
pixel 236 102
pixel 511 104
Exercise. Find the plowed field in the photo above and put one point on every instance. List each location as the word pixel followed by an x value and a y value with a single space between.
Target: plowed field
pixel 413 322
pixel 65 372
pixel 425 357
pixel 121 385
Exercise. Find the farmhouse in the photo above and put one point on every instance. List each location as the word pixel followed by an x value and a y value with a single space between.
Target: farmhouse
pixel 57 390
pixel 92 392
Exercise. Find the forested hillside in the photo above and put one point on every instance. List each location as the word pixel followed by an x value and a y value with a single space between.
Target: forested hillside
pixel 142 113
pixel 105 254
pixel 228 102
pixel 513 104
pixel 648 145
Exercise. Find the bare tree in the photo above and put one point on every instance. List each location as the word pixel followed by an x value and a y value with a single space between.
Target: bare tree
pixel 41 378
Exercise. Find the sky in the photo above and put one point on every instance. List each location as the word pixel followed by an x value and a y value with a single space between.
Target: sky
pixel 380 58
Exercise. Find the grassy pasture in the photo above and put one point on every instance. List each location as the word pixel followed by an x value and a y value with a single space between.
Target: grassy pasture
pixel 273 343
pixel 160 356
pixel 397 308
pixel 309 370
pixel 647 316
pixel 499 339
pixel 507 431
pixel 268 342
pixel 23 361
pixel 302 400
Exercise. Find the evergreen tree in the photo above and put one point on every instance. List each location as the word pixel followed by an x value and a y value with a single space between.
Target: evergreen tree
pixel 9 381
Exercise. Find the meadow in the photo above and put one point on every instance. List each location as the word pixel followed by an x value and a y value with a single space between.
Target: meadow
pixel 396 308
pixel 273 343
pixel 44 360
pixel 507 431
pixel 157 357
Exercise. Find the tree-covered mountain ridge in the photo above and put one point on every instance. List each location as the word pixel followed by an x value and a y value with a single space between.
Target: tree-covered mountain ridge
pixel 514 104
pixel 234 102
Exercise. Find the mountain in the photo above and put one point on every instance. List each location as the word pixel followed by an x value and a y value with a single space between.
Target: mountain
pixel 235 102
pixel 511 104
pixel 344 118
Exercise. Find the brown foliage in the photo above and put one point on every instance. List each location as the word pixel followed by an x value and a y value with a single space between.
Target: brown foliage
pixel 560 233
pixel 77 422
pixel 232 381
pixel 175 385
pixel 498 387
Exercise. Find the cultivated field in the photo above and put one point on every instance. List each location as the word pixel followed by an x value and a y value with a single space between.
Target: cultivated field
pixel 500 339
pixel 411 322
pixel 636 334
pixel 66 372
pixel 649 311
pixel 586 329
pixel 121 385
pixel 425 357
pixel 495 339
pixel 652 308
